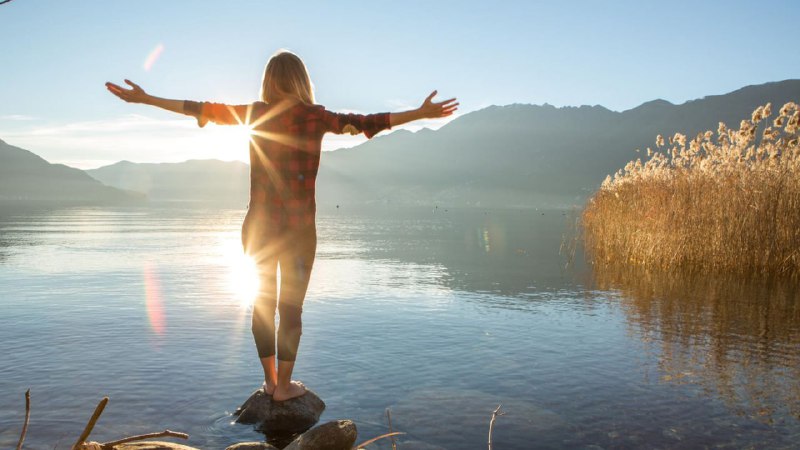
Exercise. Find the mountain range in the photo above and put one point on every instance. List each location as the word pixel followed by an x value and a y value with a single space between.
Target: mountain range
pixel 27 178
pixel 525 155
pixel 500 156
pixel 205 181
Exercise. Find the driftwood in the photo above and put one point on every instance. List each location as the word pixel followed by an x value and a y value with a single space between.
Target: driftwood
pixel 87 430
pixel 366 443
pixel 389 419
pixel 82 444
pixel 495 413
pixel 27 416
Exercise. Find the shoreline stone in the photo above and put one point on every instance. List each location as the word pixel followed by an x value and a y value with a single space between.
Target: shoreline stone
pixel 334 435
pixel 291 416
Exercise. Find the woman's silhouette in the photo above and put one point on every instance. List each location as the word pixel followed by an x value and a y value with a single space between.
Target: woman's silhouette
pixel 279 229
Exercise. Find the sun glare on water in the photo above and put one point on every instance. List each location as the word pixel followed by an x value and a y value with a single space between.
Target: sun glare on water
pixel 242 274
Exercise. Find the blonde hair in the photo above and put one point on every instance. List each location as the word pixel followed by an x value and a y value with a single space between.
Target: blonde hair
pixel 286 76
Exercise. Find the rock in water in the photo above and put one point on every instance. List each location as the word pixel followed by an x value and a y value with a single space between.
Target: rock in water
pixel 291 416
pixel 334 435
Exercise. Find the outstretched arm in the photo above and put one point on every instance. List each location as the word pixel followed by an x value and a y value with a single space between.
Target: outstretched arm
pixel 215 112
pixel 428 110
pixel 373 123
pixel 137 95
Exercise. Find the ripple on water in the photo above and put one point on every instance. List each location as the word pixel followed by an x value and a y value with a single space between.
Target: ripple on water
pixel 415 313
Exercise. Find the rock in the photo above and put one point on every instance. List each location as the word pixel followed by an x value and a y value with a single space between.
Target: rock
pixel 152 445
pixel 252 446
pixel 291 416
pixel 334 435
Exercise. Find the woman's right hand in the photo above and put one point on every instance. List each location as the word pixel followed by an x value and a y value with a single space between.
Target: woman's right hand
pixel 134 95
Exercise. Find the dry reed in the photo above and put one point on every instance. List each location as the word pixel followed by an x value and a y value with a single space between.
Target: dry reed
pixel 724 202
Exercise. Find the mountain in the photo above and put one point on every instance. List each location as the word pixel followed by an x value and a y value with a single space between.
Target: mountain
pixel 207 181
pixel 524 155
pixel 514 155
pixel 25 178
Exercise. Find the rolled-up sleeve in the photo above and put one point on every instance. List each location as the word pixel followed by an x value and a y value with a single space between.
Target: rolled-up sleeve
pixel 369 124
pixel 218 113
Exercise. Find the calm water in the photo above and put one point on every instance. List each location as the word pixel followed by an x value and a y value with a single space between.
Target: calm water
pixel 439 316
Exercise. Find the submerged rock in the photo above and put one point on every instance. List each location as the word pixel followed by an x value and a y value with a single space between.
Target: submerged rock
pixel 291 416
pixel 334 435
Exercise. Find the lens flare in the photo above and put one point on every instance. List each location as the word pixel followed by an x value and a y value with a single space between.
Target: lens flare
pixel 242 277
pixel 153 57
pixel 152 301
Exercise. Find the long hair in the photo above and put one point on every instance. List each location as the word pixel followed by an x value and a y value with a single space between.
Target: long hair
pixel 286 76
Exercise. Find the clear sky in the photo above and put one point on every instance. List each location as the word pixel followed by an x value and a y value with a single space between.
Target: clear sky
pixel 362 56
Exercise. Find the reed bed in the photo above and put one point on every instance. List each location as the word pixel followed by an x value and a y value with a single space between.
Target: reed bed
pixel 724 202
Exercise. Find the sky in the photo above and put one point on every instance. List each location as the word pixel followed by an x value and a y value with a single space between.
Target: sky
pixel 366 57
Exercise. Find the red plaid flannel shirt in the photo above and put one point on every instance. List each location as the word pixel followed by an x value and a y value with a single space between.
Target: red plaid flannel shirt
pixel 285 146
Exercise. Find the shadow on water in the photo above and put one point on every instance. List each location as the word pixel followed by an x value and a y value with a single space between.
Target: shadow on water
pixel 737 340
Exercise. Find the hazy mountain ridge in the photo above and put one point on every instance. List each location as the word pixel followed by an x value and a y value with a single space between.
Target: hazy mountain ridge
pixel 27 178
pixel 211 180
pixel 513 155
pixel 525 154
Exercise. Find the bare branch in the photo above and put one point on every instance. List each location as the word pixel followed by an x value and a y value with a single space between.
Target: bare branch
pixel 495 413
pixel 366 443
pixel 89 426
pixel 27 398
pixel 389 416
pixel 165 433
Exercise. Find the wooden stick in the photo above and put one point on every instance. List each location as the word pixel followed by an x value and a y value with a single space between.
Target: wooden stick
pixel 165 433
pixel 27 413
pixel 366 443
pixel 90 426
pixel 495 413
pixel 389 416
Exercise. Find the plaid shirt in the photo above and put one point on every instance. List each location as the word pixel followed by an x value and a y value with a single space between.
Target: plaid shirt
pixel 285 145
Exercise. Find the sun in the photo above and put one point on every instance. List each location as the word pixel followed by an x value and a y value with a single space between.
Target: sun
pixel 242 274
pixel 228 142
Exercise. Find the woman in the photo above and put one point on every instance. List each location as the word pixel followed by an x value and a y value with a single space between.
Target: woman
pixel 279 230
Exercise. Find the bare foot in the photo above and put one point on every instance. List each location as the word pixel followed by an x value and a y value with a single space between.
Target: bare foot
pixel 294 389
pixel 268 387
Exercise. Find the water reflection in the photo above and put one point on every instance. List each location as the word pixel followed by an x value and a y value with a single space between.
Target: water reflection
pixel 4 249
pixel 506 252
pixel 9 232
pixel 439 293
pixel 738 340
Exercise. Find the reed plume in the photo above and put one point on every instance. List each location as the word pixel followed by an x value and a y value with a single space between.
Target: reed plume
pixel 725 201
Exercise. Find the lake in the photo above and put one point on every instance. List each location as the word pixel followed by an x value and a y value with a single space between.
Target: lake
pixel 439 315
